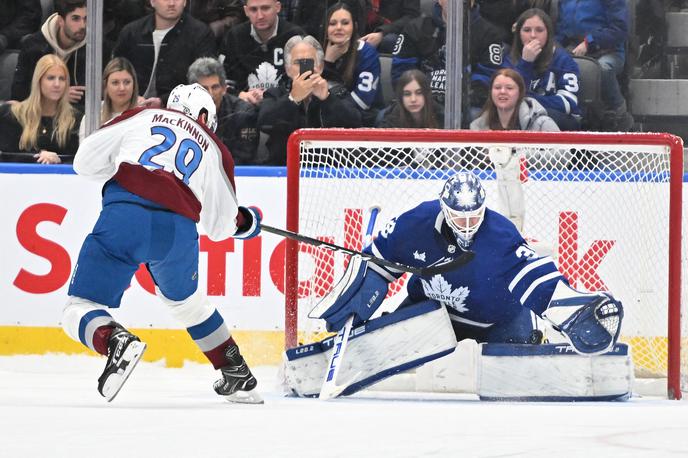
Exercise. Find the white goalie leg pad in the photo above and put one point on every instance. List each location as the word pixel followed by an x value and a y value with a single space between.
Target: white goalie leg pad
pixel 552 372
pixel 81 317
pixel 191 311
pixel 507 164
pixel 378 349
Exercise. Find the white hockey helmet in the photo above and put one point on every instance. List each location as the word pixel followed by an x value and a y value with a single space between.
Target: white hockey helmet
pixel 193 100
pixel 463 203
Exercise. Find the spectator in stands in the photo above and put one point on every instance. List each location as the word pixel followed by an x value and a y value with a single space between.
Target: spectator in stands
pixel 599 29
pixel 19 18
pixel 120 92
pixel 414 107
pixel 508 108
pixel 386 20
pixel 254 50
pixel 311 15
pixel 504 13
pixel 162 45
pixel 236 118
pixel 118 13
pixel 63 34
pixel 551 76
pixel 44 126
pixel 220 15
pixel 306 100
pixel 422 45
pixel 351 62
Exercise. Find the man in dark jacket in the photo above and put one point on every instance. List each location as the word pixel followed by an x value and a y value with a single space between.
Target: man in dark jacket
pixel 306 100
pixel 162 45
pixel 63 34
pixel 254 50
pixel 386 20
pixel 19 18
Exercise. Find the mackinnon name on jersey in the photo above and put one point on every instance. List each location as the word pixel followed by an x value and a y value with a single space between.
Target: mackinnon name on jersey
pixel 186 125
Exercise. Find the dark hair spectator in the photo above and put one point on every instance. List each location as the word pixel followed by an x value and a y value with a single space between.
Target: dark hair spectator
pixel 551 76
pixel 414 107
pixel 120 91
pixel 508 108
pixel 306 100
pixel 19 18
pixel 351 62
pixel 254 50
pixel 599 29
pixel 236 118
pixel 63 34
pixel 162 45
pixel 312 15
pixel 43 126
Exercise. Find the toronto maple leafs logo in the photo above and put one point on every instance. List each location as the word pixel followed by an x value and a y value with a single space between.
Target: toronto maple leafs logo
pixel 419 256
pixel 440 290
pixel 265 77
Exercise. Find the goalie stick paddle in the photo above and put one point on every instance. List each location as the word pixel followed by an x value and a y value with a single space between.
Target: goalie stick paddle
pixel 329 388
pixel 462 259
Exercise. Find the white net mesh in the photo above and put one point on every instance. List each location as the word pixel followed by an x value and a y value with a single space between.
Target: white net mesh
pixel 603 210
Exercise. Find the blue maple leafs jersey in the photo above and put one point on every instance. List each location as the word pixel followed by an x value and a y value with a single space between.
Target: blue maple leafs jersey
pixel 504 276
pixel 557 87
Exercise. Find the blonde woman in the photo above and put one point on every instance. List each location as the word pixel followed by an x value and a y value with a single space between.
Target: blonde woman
pixel 120 91
pixel 44 126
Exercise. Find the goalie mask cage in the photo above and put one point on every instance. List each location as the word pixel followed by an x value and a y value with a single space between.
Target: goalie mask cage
pixel 608 206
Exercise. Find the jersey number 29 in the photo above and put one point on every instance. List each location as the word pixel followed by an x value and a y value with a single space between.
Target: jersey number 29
pixel 188 145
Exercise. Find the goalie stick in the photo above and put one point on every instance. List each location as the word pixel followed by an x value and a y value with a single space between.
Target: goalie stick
pixel 329 388
pixel 429 271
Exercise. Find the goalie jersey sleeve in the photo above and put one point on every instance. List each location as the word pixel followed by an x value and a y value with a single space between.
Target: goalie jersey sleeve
pixel 504 276
pixel 168 158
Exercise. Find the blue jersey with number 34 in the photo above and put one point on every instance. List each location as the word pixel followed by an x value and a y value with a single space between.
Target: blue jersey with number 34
pixel 504 276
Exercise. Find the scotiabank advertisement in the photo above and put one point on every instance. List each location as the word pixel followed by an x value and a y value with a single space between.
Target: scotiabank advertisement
pixel 46 217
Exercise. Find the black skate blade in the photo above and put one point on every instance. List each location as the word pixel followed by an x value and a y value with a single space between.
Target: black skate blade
pixel 114 382
pixel 244 397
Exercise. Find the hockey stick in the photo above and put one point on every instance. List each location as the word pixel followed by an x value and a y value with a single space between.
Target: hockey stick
pixel 462 259
pixel 329 388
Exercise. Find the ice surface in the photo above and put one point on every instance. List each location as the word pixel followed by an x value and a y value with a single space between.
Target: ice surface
pixel 49 407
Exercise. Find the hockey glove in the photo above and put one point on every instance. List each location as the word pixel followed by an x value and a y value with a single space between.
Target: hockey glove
pixel 251 224
pixel 591 324
pixel 362 298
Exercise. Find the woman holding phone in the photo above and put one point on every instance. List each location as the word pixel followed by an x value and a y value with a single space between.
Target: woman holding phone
pixel 352 62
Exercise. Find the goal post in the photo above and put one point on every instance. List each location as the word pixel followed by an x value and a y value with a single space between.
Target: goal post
pixel 607 205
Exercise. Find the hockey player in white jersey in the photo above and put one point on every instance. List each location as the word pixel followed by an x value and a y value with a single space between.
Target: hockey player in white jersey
pixel 491 299
pixel 164 172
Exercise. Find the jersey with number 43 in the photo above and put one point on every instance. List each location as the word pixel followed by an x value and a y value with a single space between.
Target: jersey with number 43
pixel 504 276
pixel 168 158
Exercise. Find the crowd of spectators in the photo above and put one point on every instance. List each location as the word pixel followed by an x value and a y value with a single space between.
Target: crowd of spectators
pixel 273 67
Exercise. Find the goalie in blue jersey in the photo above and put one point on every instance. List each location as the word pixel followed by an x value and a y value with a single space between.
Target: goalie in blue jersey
pixel 489 299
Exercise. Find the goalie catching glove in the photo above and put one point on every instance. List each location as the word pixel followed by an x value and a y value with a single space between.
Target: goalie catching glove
pixel 248 223
pixel 361 292
pixel 590 322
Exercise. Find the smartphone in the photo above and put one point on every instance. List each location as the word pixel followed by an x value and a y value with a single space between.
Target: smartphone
pixel 305 65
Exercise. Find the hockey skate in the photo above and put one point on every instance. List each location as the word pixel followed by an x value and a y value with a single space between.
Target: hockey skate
pixel 124 352
pixel 237 383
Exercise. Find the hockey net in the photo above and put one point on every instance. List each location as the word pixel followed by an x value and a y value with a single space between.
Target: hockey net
pixel 608 206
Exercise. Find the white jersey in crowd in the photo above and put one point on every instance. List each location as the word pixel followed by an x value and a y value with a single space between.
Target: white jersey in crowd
pixel 168 158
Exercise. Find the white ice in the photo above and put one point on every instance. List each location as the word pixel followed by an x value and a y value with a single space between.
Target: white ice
pixel 49 407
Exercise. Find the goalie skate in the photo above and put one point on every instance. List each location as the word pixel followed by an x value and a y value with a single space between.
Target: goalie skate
pixel 237 383
pixel 124 352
